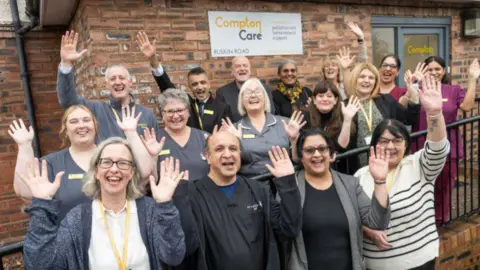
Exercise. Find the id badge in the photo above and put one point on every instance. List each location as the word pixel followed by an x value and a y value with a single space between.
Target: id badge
pixel 368 139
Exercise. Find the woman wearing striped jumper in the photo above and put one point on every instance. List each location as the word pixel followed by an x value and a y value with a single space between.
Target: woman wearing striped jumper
pixel 411 239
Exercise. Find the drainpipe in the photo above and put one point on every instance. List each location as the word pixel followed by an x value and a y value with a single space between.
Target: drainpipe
pixel 19 32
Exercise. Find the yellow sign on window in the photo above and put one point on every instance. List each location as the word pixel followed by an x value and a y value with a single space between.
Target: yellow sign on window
pixel 420 50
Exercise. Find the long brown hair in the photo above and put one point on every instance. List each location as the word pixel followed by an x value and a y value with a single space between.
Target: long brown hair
pixel 333 124
pixel 63 129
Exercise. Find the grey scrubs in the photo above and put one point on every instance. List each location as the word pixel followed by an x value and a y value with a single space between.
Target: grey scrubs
pixel 255 145
pixel 191 156
pixel 70 192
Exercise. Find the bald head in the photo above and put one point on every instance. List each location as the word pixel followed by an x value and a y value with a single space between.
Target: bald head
pixel 221 138
pixel 240 69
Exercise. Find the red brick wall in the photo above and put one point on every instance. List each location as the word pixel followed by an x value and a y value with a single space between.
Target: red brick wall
pixel 108 27
pixel 42 50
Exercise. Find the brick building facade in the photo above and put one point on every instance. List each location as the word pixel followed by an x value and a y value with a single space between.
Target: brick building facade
pixel 108 27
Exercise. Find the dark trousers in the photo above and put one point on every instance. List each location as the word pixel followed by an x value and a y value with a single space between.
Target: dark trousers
pixel 430 265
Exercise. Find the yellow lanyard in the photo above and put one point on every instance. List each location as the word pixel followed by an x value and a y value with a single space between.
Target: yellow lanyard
pixel 121 261
pixel 369 119
pixel 198 115
pixel 116 114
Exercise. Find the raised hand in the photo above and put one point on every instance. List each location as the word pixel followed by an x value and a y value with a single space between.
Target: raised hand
pixel 344 58
pixel 150 142
pixel 227 125
pixel 420 72
pixel 356 30
pixel 38 182
pixel 351 109
pixel 474 69
pixel 378 163
pixel 282 165
pixel 294 125
pixel 148 49
pixel 431 95
pixel 68 49
pixel 129 121
pixel 170 176
pixel 19 133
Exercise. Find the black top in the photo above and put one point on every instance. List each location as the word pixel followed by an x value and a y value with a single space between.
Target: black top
pixel 229 95
pixel 236 233
pixel 213 113
pixel 325 230
pixel 283 106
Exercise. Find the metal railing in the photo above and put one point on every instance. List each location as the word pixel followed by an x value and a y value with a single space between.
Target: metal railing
pixel 464 199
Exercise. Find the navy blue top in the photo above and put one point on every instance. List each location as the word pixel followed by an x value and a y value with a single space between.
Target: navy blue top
pixel 229 189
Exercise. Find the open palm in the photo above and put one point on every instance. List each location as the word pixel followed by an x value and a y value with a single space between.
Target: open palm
pixel 19 133
pixel 148 49
pixel 129 121
pixel 344 58
pixel 282 165
pixel 431 95
pixel 351 109
pixel 150 142
pixel 294 125
pixel 227 125
pixel 378 163
pixel 170 176
pixel 38 182
pixel 474 69
pixel 68 47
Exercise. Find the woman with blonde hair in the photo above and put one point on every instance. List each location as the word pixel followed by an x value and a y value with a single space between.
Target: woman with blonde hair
pixel 89 236
pixel 364 83
pixel 79 130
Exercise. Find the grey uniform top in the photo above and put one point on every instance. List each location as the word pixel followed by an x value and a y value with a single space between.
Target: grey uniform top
pixel 190 155
pixel 103 111
pixel 255 144
pixel 70 192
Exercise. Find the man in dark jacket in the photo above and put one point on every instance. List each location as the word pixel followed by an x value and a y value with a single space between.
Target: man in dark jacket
pixel 229 92
pixel 237 219
pixel 206 111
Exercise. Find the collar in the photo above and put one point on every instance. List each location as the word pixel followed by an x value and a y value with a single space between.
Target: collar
pixel 245 123
pixel 97 215
pixel 205 101
pixel 115 104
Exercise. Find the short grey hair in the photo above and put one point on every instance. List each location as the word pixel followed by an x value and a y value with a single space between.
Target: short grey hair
pixel 117 66
pixel 172 94
pixel 91 186
pixel 246 84
pixel 284 63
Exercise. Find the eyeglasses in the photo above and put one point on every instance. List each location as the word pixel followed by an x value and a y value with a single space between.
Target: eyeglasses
pixel 310 151
pixel 171 113
pixel 251 92
pixel 122 164
pixel 384 142
pixel 392 66
pixel 292 70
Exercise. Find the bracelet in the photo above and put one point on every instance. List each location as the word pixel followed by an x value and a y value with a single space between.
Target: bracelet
pixel 434 116
pixel 380 182
pixel 360 41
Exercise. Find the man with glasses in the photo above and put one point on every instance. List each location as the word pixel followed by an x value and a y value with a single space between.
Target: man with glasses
pixel 119 84
pixel 206 111
pixel 229 92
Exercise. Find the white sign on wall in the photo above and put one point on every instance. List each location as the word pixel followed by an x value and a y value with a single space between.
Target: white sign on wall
pixel 255 33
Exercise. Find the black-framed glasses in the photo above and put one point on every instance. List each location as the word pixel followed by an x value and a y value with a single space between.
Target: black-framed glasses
pixel 292 70
pixel 171 113
pixel 122 164
pixel 310 151
pixel 392 66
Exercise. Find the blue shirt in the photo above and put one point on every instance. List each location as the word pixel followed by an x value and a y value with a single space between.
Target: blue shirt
pixel 229 189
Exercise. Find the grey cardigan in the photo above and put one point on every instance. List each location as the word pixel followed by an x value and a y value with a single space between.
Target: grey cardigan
pixel 359 209
pixel 49 245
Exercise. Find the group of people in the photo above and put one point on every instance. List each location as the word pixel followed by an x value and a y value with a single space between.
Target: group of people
pixel 127 194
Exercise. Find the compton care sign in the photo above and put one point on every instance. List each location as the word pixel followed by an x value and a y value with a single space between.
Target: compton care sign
pixel 255 33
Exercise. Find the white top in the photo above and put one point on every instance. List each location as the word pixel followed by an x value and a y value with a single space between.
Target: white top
pixel 100 252
pixel 412 231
